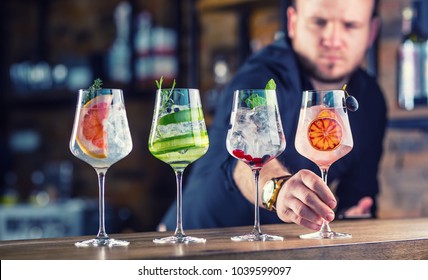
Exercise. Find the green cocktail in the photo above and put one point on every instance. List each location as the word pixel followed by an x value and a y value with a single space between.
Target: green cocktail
pixel 181 137
pixel 178 137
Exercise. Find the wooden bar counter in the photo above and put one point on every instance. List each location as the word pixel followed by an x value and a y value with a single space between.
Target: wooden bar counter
pixel 372 240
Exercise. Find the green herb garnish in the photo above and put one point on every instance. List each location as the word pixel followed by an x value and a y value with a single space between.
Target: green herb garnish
pixel 96 85
pixel 271 85
pixel 92 89
pixel 255 100
pixel 159 83
pixel 166 100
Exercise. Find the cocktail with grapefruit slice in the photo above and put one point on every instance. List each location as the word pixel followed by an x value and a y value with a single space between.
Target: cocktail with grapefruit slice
pixel 91 135
pixel 101 137
pixel 324 136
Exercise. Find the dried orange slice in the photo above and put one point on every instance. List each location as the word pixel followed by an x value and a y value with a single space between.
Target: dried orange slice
pixel 91 134
pixel 327 113
pixel 325 132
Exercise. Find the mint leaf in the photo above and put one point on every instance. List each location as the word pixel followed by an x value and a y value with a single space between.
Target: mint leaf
pixel 255 100
pixel 271 85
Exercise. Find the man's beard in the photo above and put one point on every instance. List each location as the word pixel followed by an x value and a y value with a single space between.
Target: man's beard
pixel 313 71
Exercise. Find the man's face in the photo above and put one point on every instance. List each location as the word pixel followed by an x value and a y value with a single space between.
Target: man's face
pixel 331 37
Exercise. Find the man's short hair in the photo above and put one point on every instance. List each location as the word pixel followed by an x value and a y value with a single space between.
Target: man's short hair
pixel 375 12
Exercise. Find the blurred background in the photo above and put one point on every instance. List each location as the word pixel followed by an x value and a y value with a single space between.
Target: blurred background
pixel 51 48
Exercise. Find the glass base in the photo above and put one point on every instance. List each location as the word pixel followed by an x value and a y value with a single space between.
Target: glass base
pixel 257 237
pixel 325 235
pixel 102 242
pixel 179 239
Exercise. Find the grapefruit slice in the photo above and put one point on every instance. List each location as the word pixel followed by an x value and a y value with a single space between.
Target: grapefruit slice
pixel 325 132
pixel 91 134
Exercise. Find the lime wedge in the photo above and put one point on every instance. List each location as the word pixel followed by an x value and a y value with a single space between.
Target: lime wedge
pixel 187 115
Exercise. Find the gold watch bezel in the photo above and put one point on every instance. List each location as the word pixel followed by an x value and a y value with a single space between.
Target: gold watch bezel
pixel 278 183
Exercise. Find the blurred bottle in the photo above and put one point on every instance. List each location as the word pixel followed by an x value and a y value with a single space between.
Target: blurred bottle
pixel 119 57
pixel 156 51
pixel 412 60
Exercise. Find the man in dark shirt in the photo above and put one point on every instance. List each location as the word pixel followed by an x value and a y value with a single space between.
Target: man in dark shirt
pixel 329 39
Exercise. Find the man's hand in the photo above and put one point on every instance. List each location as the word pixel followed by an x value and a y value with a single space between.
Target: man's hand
pixel 361 210
pixel 306 200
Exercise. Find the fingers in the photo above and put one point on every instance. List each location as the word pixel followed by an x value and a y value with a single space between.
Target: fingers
pixel 365 204
pixel 316 185
pixel 361 210
pixel 300 214
pixel 305 200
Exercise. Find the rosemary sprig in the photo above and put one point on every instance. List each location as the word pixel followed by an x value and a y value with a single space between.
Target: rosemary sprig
pixel 94 87
pixel 166 94
pixel 159 83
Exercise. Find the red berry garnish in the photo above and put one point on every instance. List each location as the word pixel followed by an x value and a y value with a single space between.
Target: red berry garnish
pixel 248 157
pixel 238 153
pixel 257 160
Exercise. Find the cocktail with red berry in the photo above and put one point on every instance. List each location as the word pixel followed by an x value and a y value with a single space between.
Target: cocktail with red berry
pixel 255 136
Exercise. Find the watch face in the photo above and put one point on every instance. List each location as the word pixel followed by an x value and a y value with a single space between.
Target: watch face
pixel 268 191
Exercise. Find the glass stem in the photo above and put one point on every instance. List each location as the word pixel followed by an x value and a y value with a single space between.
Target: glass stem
pixel 256 229
pixel 325 226
pixel 102 234
pixel 179 178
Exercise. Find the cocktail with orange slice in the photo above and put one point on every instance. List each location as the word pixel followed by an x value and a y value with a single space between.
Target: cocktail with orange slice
pixel 101 137
pixel 324 136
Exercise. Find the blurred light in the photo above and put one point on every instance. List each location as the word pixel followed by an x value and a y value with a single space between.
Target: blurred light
pixel 221 71
pixel 24 141
pixel 37 177
pixel 79 77
pixel 59 73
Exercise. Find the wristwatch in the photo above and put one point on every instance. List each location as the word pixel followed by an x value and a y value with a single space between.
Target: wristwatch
pixel 271 190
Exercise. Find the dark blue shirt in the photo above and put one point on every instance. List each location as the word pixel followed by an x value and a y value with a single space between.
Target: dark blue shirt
pixel 211 198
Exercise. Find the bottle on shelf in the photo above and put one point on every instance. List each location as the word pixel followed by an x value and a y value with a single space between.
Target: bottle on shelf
pixel 412 81
pixel 119 56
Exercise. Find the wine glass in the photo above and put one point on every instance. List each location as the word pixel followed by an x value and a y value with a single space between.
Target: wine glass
pixel 255 136
pixel 178 137
pixel 101 137
pixel 323 136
